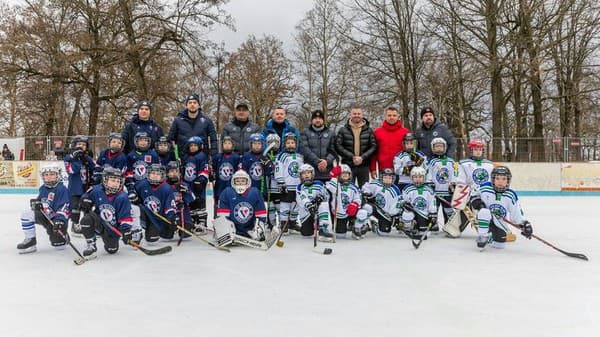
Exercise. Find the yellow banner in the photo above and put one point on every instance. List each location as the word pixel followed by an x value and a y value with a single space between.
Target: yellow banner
pixel 26 173
pixel 7 177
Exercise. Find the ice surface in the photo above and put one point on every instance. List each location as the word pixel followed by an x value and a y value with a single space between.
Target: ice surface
pixel 374 287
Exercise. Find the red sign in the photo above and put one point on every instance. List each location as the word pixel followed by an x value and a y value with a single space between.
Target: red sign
pixel 39 142
pixel 556 140
pixel 575 143
pixel 58 143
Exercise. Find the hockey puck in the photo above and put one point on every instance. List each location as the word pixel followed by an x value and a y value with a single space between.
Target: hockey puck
pixel 327 251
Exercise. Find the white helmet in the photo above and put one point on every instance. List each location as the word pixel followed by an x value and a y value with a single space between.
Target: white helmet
pixel 345 169
pixel 54 173
pixel 306 168
pixel 438 140
pixel 274 139
pixel 417 171
pixel 239 186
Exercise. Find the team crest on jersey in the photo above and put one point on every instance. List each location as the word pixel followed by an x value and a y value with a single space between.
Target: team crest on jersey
pixel 139 170
pixel 420 203
pixel 256 171
pixel 293 170
pixel 345 200
pixel 443 175
pixel 152 203
pixel 50 197
pixel 147 158
pixel 107 214
pixel 225 171
pixel 190 172
pixel 243 212
pixel 480 176
pixel 380 200
pixel 498 210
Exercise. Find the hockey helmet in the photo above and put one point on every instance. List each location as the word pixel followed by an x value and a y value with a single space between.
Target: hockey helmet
pixel 156 174
pixel 194 140
pixel 290 136
pixel 273 141
pixel 501 171
pixel 307 174
pixel 418 172
pixel 142 141
pixel 476 145
pixel 437 150
pixel 387 177
pixel 345 175
pixel 240 181
pixel 230 140
pixel 173 172
pixel 77 140
pixel 108 180
pixel 50 175
pixel 162 145
pixel 118 144
pixel 409 138
pixel 256 138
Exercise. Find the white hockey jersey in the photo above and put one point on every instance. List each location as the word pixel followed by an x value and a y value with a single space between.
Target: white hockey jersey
pixel 406 159
pixel 286 169
pixel 389 199
pixel 502 205
pixel 441 172
pixel 347 194
pixel 306 194
pixel 474 173
pixel 422 199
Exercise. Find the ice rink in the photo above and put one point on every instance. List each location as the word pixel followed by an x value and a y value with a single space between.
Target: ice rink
pixel 373 287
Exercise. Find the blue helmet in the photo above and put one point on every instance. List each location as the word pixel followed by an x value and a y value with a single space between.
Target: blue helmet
pixel 194 140
pixel 80 139
pixel 257 137
pixel 142 136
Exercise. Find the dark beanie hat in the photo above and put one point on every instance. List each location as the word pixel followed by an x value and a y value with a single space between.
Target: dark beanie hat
pixel 426 110
pixel 317 114
pixel 192 97
pixel 143 103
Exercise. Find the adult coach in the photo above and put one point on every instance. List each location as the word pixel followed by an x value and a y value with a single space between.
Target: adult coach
pixel 317 145
pixel 356 144
pixel 240 128
pixel 141 122
pixel 431 128
pixel 192 122
pixel 389 138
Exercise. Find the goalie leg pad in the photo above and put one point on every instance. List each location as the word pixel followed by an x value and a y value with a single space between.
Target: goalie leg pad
pixel 224 231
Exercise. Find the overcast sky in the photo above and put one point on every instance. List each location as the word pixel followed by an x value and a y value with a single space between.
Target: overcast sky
pixel 258 17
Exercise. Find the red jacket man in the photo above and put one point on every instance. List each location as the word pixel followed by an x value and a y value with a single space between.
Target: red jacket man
pixel 389 141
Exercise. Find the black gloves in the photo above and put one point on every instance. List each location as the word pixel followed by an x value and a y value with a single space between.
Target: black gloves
pixel 36 205
pixel 85 205
pixel 127 236
pixel 526 229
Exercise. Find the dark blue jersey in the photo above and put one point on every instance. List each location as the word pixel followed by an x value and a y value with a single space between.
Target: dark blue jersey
pixel 164 160
pixel 117 160
pixel 114 210
pixel 242 209
pixel 195 168
pixel 55 201
pixel 187 198
pixel 157 199
pixel 259 175
pixel 225 166
pixel 138 162
pixel 80 172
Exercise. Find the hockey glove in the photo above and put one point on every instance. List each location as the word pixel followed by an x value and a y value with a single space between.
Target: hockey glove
pixel 127 236
pixel 78 154
pixel 352 209
pixel 318 199
pixel 183 189
pixel 59 226
pixel 133 197
pixel 477 203
pixel 311 207
pixel 200 183
pixel 433 219
pixel 406 170
pixel 265 162
pixel 335 172
pixel 85 205
pixel 526 229
pixel 407 206
pixel 281 187
pixel 36 205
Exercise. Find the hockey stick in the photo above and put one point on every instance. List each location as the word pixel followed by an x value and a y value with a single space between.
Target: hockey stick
pixel 158 251
pixel 326 251
pixel 81 259
pixel 418 243
pixel 183 229
pixel 279 242
pixel 337 191
pixel 575 255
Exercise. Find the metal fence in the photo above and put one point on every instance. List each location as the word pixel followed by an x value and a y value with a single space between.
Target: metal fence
pixel 567 149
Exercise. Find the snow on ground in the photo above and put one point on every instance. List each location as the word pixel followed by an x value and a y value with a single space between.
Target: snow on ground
pixel 374 287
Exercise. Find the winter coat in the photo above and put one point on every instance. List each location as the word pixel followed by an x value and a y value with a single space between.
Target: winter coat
pixel 136 125
pixel 316 145
pixel 389 142
pixel 344 144
pixel 269 129
pixel 240 135
pixel 425 135
pixel 184 127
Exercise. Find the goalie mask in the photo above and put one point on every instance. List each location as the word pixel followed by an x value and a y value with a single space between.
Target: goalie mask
pixel 417 176
pixel 439 146
pixel 501 177
pixel 112 180
pixel 387 177
pixel 142 141
pixel 307 174
pixel 273 141
pixel 346 174
pixel 290 142
pixel 476 149
pixel 50 175
pixel 156 174
pixel 240 181
pixel 115 142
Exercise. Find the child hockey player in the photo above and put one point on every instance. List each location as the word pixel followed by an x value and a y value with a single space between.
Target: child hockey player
pixel 241 214
pixel 139 159
pixel 473 172
pixel 441 173
pixel 499 202
pixel 183 196
pixel 287 165
pixel 312 199
pixel 112 156
pixel 156 200
pixel 383 200
pixel 164 151
pixel 196 173
pixel 80 168
pixel 406 159
pixel 420 206
pixel 107 210
pixel 226 163
pixel 346 203
pixel 258 166
pixel 53 201
pixel 273 195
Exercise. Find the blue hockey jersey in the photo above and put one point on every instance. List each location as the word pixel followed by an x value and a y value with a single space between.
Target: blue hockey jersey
pixel 55 201
pixel 242 210
pixel 225 166
pixel 114 210
pixel 80 172
pixel 156 200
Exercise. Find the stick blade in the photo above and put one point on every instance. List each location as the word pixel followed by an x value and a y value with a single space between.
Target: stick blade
pixel 576 255
pixel 159 251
